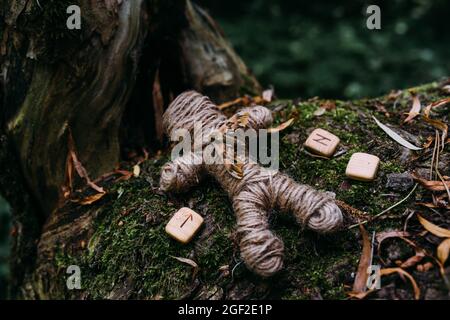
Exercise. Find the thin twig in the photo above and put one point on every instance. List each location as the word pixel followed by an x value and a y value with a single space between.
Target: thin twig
pixel 387 210
pixel 437 167
pixel 434 155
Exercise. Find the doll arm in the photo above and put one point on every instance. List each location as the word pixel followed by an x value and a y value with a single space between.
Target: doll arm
pixel 258 117
pixel 182 173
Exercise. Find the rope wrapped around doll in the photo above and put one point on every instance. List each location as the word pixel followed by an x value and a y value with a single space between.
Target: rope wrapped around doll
pixel 258 191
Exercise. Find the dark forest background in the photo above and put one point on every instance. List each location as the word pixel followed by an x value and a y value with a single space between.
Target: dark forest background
pixel 309 48
pixel 323 48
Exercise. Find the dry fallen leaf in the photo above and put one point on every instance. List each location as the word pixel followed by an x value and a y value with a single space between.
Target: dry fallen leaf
pixel 266 97
pixel 433 185
pixel 443 251
pixel 388 271
pixel 432 205
pixel 389 234
pixel 125 175
pixel 438 125
pixel 382 109
pixel 77 165
pixel 428 143
pixel 281 127
pixel 360 284
pixel 436 104
pixel 434 229
pixel 415 109
pixel 424 267
pixel 381 236
pixel 419 252
pixel 236 170
pixel 236 121
pixel 359 295
pixel 91 199
pixel 391 133
pixel 395 94
pixel 415 259
pixel 158 107
pixel 190 262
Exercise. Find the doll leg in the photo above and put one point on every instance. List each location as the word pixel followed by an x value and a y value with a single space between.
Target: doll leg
pixel 261 250
pixel 313 209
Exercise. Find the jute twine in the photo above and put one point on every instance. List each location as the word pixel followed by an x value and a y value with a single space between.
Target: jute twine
pixel 253 195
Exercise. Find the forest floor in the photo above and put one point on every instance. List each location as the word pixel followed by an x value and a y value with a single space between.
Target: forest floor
pixel 130 255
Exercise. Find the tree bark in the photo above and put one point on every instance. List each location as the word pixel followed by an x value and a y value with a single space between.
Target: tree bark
pixel 104 86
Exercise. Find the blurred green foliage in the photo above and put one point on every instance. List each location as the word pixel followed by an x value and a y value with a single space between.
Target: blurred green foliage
pixel 4 245
pixel 309 48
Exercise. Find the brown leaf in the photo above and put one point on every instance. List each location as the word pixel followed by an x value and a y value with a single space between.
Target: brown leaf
pixel 388 271
pixel 245 101
pixel 91 199
pixel 236 121
pixel 281 127
pixel 428 143
pixel 236 170
pixel 126 175
pixel 190 262
pixel 412 261
pixel 382 109
pixel 394 94
pixel 438 125
pixel 415 109
pixel 79 167
pixel 432 205
pixel 433 185
pixel 360 284
pixel 67 188
pixel 424 267
pixel 443 251
pixel 158 107
pixel 381 236
pixel 436 104
pixel 356 214
pixel 83 174
pixel 359 295
pixel 419 252
pixel 242 120
pixel 434 229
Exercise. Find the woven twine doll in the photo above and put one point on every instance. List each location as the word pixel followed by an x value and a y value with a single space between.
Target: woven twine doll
pixel 254 192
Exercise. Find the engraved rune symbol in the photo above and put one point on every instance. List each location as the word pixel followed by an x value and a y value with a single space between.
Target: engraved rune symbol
pixel 189 217
pixel 321 139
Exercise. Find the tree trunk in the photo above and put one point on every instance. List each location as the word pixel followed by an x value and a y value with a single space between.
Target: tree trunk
pixel 99 93
pixel 105 87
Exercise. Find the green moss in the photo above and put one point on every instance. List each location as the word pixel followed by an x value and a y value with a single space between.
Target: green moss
pixel 130 245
